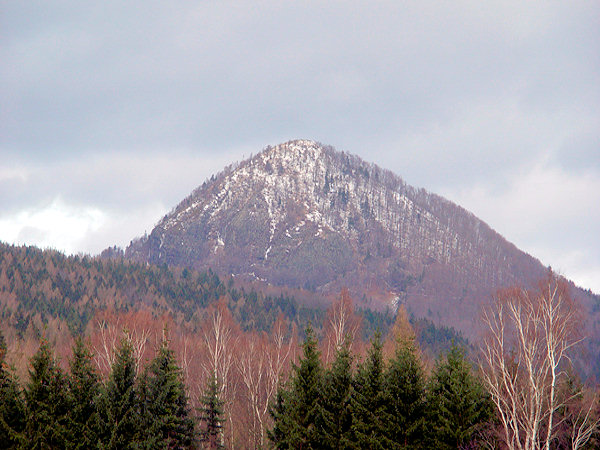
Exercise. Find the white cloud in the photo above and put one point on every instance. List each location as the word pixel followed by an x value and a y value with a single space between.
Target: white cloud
pixel 75 229
pixel 57 225
pixel 89 203
pixel 8 174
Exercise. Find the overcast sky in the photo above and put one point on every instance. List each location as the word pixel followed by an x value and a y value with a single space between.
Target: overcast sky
pixel 112 112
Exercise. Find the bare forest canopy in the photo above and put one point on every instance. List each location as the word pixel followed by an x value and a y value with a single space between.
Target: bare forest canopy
pixel 44 293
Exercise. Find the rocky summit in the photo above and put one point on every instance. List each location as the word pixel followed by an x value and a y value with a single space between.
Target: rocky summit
pixel 303 215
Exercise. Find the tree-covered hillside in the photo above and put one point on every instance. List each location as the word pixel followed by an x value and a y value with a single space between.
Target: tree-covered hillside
pixel 38 287
pixel 46 293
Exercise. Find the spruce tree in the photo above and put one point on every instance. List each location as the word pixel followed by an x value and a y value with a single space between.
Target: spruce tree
pixel 336 411
pixel 164 402
pixel 298 412
pixel 458 404
pixel 147 435
pixel 369 401
pixel 119 413
pixel 47 405
pixel 84 392
pixel 405 386
pixel 211 416
pixel 281 420
pixel 12 407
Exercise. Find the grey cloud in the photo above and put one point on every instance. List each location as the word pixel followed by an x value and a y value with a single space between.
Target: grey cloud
pixel 113 182
pixel 183 75
pixel 581 151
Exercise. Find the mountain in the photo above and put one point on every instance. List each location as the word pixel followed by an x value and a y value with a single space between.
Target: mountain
pixel 303 215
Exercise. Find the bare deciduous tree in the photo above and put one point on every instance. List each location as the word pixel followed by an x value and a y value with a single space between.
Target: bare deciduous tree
pixel 340 325
pixel 104 350
pixel 219 341
pixel 111 330
pixel 583 419
pixel 262 365
pixel 251 365
pixel 280 355
pixel 524 354
pixel 138 338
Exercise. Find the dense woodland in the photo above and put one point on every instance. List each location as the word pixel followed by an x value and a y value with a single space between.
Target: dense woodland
pixel 333 405
pixel 111 354
pixel 44 293
pixel 263 390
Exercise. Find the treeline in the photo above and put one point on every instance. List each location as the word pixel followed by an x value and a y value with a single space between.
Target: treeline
pixel 38 286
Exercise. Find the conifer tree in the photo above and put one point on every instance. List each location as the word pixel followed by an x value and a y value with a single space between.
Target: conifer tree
pixel 12 408
pixel 84 392
pixel 147 436
pixel 336 409
pixel 46 403
pixel 120 421
pixel 458 404
pixel 281 420
pixel 211 416
pixel 369 401
pixel 164 402
pixel 297 412
pixel 405 386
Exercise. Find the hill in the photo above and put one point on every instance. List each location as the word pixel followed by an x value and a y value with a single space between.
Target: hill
pixel 44 293
pixel 304 215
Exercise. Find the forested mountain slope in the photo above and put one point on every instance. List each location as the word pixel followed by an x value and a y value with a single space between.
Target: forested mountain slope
pixel 301 214
pixel 41 286
pixel 44 293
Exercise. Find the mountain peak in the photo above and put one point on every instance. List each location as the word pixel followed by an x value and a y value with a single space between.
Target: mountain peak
pixel 294 147
pixel 290 157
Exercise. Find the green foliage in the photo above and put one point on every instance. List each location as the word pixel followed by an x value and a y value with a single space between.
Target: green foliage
pixel 120 422
pixel 164 405
pixel 432 338
pixel 458 403
pixel 405 388
pixel 369 401
pixel 12 407
pixel 84 393
pixel 297 412
pixel 373 321
pixel 78 411
pixel 278 411
pixel 437 339
pixel 336 410
pixel 47 406
pixel 211 416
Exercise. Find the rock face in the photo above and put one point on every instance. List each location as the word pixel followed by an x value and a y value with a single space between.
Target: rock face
pixel 301 214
